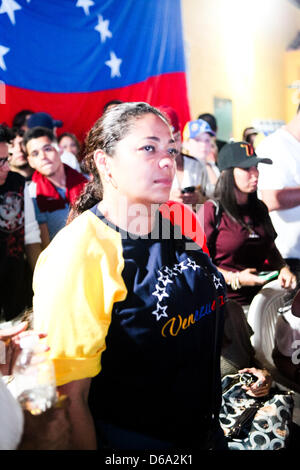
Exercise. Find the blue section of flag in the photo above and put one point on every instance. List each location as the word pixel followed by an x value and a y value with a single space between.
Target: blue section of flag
pixel 53 46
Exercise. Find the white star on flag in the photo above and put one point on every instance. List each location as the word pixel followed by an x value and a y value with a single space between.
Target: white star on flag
pixel 3 50
pixel 158 311
pixel 9 7
pixel 85 4
pixel 114 64
pixel 102 28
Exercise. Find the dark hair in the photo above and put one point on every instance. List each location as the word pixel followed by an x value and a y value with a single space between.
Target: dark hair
pixel 20 118
pixel 37 132
pixel 111 103
pixel 225 194
pixel 298 110
pixel 6 134
pixel 72 136
pixel 17 132
pixel 210 118
pixel 112 127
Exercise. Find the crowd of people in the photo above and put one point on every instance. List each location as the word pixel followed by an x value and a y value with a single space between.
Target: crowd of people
pixel 139 316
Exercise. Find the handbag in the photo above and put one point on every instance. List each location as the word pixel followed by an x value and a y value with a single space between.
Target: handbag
pixel 254 423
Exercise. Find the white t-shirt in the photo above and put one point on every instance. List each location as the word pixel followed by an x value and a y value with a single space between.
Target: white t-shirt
pixel 31 229
pixel 69 159
pixel 11 419
pixel 284 151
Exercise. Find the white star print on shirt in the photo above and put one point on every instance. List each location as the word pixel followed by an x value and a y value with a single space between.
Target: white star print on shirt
pixel 160 292
pixel 164 279
pixel 114 64
pixel 102 28
pixel 85 4
pixel 192 264
pixel 3 50
pixel 217 281
pixel 160 312
pixel 9 7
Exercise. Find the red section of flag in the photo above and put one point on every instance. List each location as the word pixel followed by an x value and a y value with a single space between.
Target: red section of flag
pixel 79 111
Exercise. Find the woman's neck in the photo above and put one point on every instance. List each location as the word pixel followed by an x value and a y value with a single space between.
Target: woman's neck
pixel 134 218
pixel 241 198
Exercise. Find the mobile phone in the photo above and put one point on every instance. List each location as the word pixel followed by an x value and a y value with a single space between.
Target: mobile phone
pixel 188 189
pixel 268 275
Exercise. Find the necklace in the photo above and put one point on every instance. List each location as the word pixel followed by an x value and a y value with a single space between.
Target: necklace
pixel 248 224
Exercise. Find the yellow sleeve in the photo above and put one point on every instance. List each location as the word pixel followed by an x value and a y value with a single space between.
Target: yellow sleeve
pixel 77 280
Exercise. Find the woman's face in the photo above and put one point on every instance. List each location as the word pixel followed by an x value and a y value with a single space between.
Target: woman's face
pixel 69 145
pixel 246 179
pixel 200 146
pixel 143 165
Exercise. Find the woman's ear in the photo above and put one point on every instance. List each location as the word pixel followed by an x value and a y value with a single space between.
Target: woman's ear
pixel 102 163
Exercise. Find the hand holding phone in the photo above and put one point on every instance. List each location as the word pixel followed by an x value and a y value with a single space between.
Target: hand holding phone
pixel 268 275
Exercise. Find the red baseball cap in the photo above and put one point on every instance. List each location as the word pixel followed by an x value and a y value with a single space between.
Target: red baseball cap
pixel 171 116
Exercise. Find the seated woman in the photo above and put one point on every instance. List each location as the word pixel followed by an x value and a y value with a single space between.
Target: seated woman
pixel 240 235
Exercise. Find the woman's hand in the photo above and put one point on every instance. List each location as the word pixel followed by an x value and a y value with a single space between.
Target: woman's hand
pixel 249 277
pixel 176 195
pixel 11 338
pixel 196 197
pixel 287 279
pixel 262 386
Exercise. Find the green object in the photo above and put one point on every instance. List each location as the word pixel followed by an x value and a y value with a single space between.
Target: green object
pixel 268 275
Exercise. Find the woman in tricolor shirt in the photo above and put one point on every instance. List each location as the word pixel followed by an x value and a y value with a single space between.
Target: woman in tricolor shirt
pixel 132 307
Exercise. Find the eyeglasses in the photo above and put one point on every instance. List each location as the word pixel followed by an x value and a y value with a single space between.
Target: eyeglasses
pixel 3 161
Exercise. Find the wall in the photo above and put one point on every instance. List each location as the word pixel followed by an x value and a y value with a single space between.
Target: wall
pixel 292 79
pixel 235 49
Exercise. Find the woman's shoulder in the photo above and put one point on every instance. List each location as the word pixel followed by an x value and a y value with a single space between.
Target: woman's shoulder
pixel 212 206
pixel 86 235
pixel 262 205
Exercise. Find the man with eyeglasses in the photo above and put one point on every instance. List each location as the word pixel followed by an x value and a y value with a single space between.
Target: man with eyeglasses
pixel 19 236
pixel 54 186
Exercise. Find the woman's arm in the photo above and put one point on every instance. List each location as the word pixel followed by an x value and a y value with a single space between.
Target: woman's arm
pixel 83 435
pixel 246 277
pixel 286 278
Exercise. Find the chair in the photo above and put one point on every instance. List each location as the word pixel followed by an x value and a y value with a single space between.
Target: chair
pixel 262 317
